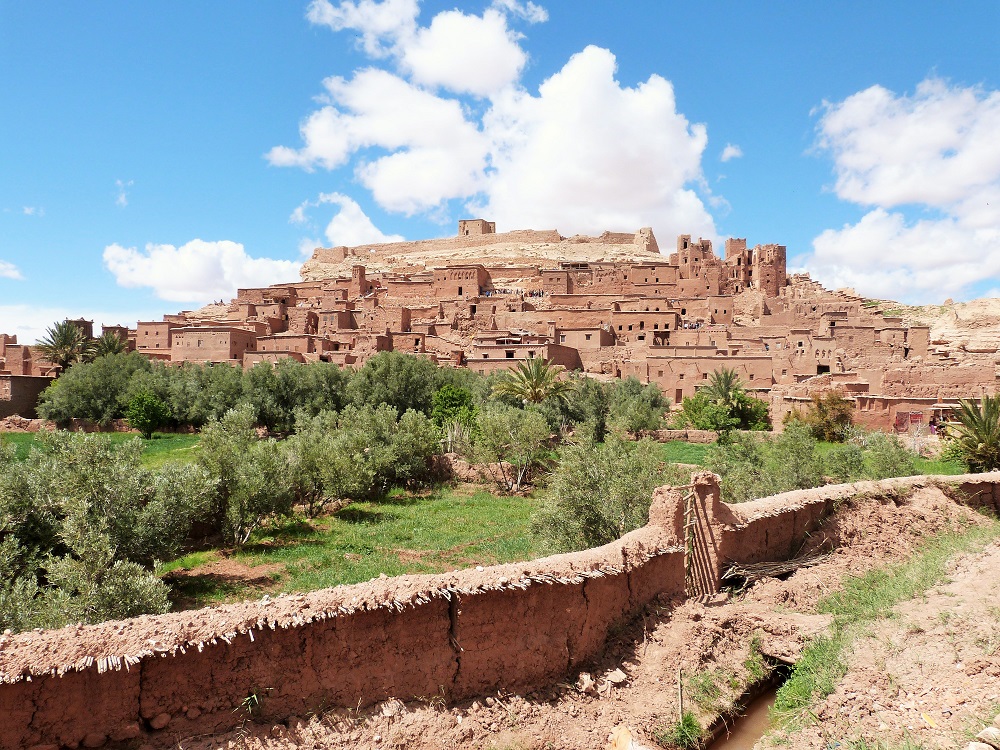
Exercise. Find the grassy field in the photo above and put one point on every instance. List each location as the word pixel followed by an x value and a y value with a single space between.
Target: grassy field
pixel 159 450
pixel 677 451
pixel 446 529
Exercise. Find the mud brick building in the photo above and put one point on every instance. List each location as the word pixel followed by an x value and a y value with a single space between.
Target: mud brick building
pixel 609 306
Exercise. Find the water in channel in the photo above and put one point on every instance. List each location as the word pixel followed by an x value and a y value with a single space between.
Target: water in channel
pixel 749 727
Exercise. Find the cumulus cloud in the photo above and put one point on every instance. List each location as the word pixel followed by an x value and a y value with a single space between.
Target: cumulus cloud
pixel 197 271
pixel 465 54
pixel 731 151
pixel 350 226
pixel 927 166
pixel 583 154
pixel 587 154
pixel 33 211
pixel 9 271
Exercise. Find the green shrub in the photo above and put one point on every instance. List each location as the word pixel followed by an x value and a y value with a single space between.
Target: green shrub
pixel 146 413
pixel 510 442
pixel 601 491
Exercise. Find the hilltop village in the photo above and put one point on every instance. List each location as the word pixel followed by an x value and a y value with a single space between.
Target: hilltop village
pixel 609 306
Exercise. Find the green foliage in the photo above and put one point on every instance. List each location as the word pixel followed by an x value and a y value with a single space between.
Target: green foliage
pixel 82 523
pixel 976 440
pixel 532 382
pixel 107 343
pixel 634 407
pixel 754 466
pixel 400 380
pixel 97 391
pixel 710 690
pixel 65 344
pixel 829 416
pixel 685 733
pixel 146 413
pixel 251 479
pixel 511 442
pixel 600 491
pixel 452 404
pixel 699 412
pixel 589 404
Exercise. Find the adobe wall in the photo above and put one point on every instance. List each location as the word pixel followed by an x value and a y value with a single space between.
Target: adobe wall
pixel 19 394
pixel 510 627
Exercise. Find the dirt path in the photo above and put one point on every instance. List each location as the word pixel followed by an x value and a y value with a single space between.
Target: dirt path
pixel 941 655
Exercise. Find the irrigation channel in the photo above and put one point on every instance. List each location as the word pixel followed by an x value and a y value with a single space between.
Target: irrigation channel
pixel 749 727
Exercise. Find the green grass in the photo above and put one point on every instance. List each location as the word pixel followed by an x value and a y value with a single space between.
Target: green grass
pixel 864 599
pixel 162 448
pixel 677 451
pixel 685 733
pixel 442 531
pixel 938 466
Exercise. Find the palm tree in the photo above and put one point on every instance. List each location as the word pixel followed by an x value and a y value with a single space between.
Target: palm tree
pixel 533 382
pixel 65 344
pixel 724 387
pixel 109 342
pixel 977 436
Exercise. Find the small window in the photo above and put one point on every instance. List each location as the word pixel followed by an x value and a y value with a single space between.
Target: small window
pixel 562 338
pixel 659 373
pixel 587 336
pixel 681 376
pixel 486 355
pixel 460 291
pixel 630 327
pixel 704 376
pixel 509 353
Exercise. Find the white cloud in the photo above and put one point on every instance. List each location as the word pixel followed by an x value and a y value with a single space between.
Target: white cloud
pixel 122 186
pixel 381 24
pixel 9 271
pixel 528 11
pixel 350 226
pixel 584 154
pixel 466 54
pixel 33 211
pixel 731 151
pixel 935 150
pixel 587 154
pixel 436 154
pixel 197 271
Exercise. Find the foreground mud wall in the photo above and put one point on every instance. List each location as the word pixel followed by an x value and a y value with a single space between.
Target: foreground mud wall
pixel 456 635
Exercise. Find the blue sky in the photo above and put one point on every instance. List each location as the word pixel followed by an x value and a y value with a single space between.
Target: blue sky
pixel 155 156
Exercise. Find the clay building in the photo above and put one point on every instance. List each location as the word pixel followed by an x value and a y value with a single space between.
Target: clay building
pixel 610 305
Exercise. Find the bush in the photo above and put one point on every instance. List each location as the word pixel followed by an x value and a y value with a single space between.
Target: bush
pixel 601 491
pixel 511 442
pixel 400 380
pixel 83 523
pixel 97 391
pixel 634 407
pixel 252 482
pixel 146 413
pixel 829 416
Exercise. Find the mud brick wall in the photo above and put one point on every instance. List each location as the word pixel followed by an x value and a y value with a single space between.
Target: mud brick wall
pixel 461 634
pixel 172 676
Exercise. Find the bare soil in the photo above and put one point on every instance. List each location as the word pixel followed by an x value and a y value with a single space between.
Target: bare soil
pixel 939 658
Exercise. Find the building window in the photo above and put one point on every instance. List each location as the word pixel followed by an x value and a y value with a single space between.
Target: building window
pixel 460 291
pixel 562 338
pixel 486 355
pixel 509 353
pixel 704 376
pixel 587 336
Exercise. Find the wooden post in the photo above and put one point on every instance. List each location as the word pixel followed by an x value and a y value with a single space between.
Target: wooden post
pixel 680 695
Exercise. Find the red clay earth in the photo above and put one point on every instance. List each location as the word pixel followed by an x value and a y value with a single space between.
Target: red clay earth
pixel 939 658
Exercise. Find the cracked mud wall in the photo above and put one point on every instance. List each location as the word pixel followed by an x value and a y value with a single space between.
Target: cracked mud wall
pixel 458 635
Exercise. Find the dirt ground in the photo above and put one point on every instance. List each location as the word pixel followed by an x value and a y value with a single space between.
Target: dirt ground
pixel 928 673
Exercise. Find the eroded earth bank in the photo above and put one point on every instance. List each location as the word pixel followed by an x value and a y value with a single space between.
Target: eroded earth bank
pixel 926 673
